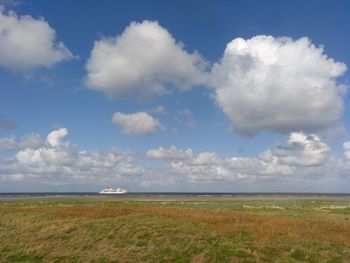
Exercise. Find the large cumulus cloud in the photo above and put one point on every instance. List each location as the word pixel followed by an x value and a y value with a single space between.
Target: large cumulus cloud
pixel 26 42
pixel 278 84
pixel 141 62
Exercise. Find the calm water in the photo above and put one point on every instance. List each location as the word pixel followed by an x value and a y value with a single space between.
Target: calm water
pixel 157 194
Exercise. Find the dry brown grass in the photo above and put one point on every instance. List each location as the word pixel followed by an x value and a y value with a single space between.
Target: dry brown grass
pixel 222 221
pixel 96 233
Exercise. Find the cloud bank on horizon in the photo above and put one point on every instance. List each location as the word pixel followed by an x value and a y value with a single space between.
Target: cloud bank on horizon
pixel 263 83
pixel 54 161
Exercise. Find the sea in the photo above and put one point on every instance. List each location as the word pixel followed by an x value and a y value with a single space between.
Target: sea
pixel 169 194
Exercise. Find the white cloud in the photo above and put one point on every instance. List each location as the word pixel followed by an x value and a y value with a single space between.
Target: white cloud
pixel 191 123
pixel 8 143
pixel 187 117
pixel 59 162
pixel 333 132
pixel 159 110
pixel 55 137
pixel 185 112
pixel 305 161
pixel 346 147
pixel 169 154
pixel 53 152
pixel 137 123
pixel 141 62
pixel 27 43
pixel 32 141
pixel 208 168
pixel 267 83
pixel 305 158
pixel 301 150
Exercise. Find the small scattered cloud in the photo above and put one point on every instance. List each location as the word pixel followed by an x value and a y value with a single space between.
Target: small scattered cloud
pixel 158 110
pixel 26 42
pixel 169 154
pixel 301 150
pixel 31 141
pixel 8 144
pixel 137 123
pixel 142 62
pixel 184 112
pixel 346 147
pixel 54 137
pixel 189 121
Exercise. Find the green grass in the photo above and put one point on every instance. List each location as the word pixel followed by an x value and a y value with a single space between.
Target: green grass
pixel 186 230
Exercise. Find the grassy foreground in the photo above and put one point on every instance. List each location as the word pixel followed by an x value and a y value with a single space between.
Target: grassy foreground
pixel 274 229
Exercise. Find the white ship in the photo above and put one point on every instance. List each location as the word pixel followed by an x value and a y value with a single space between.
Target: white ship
pixel 111 191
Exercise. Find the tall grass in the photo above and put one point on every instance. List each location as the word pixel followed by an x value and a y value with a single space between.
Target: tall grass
pixel 124 232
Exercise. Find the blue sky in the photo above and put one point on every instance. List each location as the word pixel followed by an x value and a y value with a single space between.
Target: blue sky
pixel 174 96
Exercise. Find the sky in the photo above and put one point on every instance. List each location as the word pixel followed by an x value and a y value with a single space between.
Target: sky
pixel 200 96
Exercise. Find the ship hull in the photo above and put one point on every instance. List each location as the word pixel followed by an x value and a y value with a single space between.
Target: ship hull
pixel 112 193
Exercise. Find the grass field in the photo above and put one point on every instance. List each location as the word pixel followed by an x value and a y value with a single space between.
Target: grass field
pixel 236 229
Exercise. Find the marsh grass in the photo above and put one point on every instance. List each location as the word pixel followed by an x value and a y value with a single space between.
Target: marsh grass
pixel 177 231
